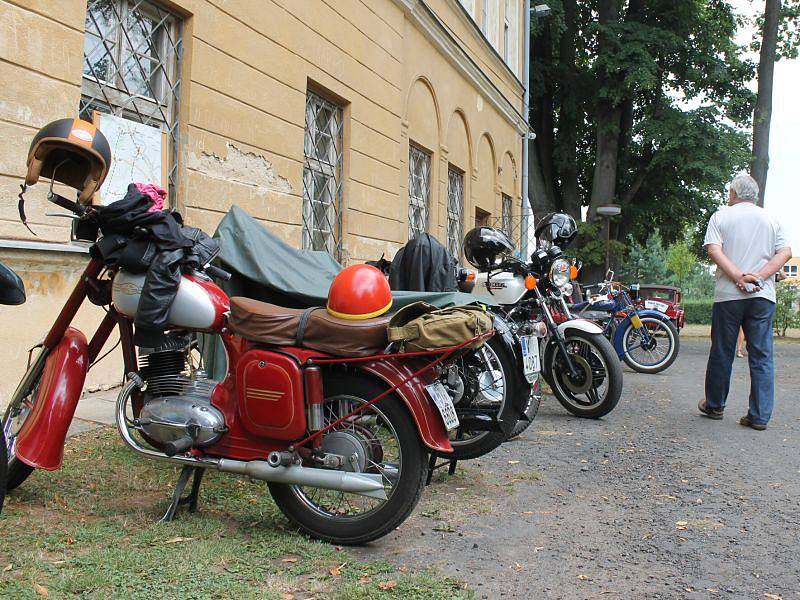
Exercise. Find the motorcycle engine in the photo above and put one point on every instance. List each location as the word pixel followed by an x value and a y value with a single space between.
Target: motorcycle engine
pixel 177 410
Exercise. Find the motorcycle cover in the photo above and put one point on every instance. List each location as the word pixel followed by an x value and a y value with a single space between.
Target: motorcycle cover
pixel 266 268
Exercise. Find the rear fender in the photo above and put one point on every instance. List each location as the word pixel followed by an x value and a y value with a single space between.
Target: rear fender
pixel 40 442
pixel 623 325
pixel 429 422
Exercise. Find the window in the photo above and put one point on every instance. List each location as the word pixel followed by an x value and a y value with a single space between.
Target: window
pixel 481 217
pixel 790 270
pixel 505 215
pixel 419 174
pixel 131 66
pixel 455 211
pixel 322 175
pixel 510 50
pixel 485 17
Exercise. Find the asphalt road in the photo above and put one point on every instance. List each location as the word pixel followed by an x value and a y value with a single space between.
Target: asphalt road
pixel 654 501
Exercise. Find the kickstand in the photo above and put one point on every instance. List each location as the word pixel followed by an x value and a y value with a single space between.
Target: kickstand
pixel 432 466
pixel 177 496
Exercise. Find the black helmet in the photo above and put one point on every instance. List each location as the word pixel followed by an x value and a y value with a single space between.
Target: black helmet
pixel 559 229
pixel 484 246
pixel 71 151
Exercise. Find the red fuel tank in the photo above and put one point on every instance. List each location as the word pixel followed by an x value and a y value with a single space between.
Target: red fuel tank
pixel 271 402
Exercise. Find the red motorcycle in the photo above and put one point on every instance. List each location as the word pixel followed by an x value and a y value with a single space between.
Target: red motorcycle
pixel 340 432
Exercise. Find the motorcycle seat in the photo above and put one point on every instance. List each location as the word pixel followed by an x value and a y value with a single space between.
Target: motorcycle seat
pixel 312 328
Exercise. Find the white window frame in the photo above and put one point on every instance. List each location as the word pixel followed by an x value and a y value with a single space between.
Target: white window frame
pixel 323 150
pixel 419 190
pixel 455 211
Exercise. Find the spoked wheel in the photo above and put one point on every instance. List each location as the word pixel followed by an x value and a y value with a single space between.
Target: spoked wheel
pixel 14 418
pixel 490 379
pixel 652 351
pixel 382 441
pixel 595 389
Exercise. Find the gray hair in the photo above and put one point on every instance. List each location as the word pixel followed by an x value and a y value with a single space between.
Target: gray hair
pixel 745 187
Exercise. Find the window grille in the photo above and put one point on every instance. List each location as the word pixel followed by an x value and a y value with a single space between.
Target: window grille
pixel 505 214
pixel 455 212
pixel 322 176
pixel 419 172
pixel 131 67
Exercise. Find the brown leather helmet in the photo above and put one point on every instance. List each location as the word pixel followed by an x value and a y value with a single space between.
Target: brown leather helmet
pixel 71 151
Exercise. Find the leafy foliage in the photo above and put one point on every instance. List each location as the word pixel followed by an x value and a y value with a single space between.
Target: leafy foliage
pixel 663 84
pixel 786 307
pixel 681 261
pixel 698 312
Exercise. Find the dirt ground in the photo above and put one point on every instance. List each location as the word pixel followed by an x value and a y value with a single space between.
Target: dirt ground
pixel 654 501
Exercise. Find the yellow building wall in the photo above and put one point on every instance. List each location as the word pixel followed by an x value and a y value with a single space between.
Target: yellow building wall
pixel 247 67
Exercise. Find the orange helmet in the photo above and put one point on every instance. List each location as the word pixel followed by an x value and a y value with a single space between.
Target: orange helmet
pixel 359 292
pixel 71 151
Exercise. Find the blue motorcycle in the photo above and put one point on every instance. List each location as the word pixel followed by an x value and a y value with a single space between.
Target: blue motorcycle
pixel 646 340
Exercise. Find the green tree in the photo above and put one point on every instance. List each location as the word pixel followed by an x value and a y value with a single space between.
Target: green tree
pixel 647 262
pixel 681 261
pixel 643 103
pixel 786 307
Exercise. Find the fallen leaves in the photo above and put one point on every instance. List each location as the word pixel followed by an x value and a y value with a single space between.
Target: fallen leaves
pixel 41 590
pixel 178 539
pixel 7 568
pixel 681 525
pixel 336 571
pixel 773 596
pixel 288 560
pixel 583 577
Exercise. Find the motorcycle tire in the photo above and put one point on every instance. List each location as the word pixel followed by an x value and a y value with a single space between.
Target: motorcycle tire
pixel 486 441
pixel 672 338
pixel 603 357
pixel 3 468
pixel 17 471
pixel 531 410
pixel 337 528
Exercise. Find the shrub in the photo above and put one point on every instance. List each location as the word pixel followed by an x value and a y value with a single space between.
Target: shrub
pixel 786 313
pixel 698 311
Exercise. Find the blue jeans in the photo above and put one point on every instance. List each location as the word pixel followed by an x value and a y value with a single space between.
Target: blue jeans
pixel 754 316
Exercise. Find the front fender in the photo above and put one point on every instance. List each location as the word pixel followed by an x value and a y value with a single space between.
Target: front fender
pixel 429 422
pixel 40 442
pixel 580 325
pixel 623 325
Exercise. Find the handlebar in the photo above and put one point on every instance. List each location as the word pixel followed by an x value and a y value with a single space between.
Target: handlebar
pixel 73 207
pixel 218 273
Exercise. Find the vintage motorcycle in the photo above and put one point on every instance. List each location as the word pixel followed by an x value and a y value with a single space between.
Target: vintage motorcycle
pixel 316 406
pixel 645 339
pixel 340 437
pixel 12 291
pixel 575 358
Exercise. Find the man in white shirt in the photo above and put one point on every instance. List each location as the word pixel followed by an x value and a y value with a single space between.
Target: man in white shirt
pixel 748 248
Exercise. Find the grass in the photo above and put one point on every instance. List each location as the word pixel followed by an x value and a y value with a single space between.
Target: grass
pixel 90 530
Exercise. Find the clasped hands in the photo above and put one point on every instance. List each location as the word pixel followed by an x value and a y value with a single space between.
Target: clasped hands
pixel 751 278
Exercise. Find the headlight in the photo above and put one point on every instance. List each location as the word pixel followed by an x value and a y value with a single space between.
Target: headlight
pixel 559 272
pixel 567 289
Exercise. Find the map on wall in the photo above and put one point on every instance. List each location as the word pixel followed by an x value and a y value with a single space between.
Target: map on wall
pixel 137 152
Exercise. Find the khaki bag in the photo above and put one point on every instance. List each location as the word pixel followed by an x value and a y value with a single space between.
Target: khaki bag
pixel 421 326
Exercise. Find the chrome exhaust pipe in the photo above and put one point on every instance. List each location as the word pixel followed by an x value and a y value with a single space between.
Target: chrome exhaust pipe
pixel 275 470
pixel 366 484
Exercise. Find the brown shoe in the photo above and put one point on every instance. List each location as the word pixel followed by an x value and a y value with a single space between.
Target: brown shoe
pixel 746 422
pixel 711 413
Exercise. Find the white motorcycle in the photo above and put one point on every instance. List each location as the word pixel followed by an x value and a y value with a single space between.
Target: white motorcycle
pixel 575 358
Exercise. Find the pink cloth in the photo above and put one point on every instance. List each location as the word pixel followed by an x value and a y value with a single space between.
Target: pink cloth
pixel 156 194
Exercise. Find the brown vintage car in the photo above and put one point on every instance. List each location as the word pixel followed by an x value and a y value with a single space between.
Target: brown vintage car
pixel 663 298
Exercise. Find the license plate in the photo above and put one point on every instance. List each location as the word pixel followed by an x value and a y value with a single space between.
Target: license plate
pixel 637 322
pixel 443 402
pixel 530 357
pixel 655 305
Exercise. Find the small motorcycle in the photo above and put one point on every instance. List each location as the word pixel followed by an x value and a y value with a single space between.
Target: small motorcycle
pixel 340 438
pixel 575 358
pixel 12 292
pixel 645 339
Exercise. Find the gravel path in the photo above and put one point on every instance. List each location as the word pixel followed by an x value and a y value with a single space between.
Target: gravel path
pixel 654 501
